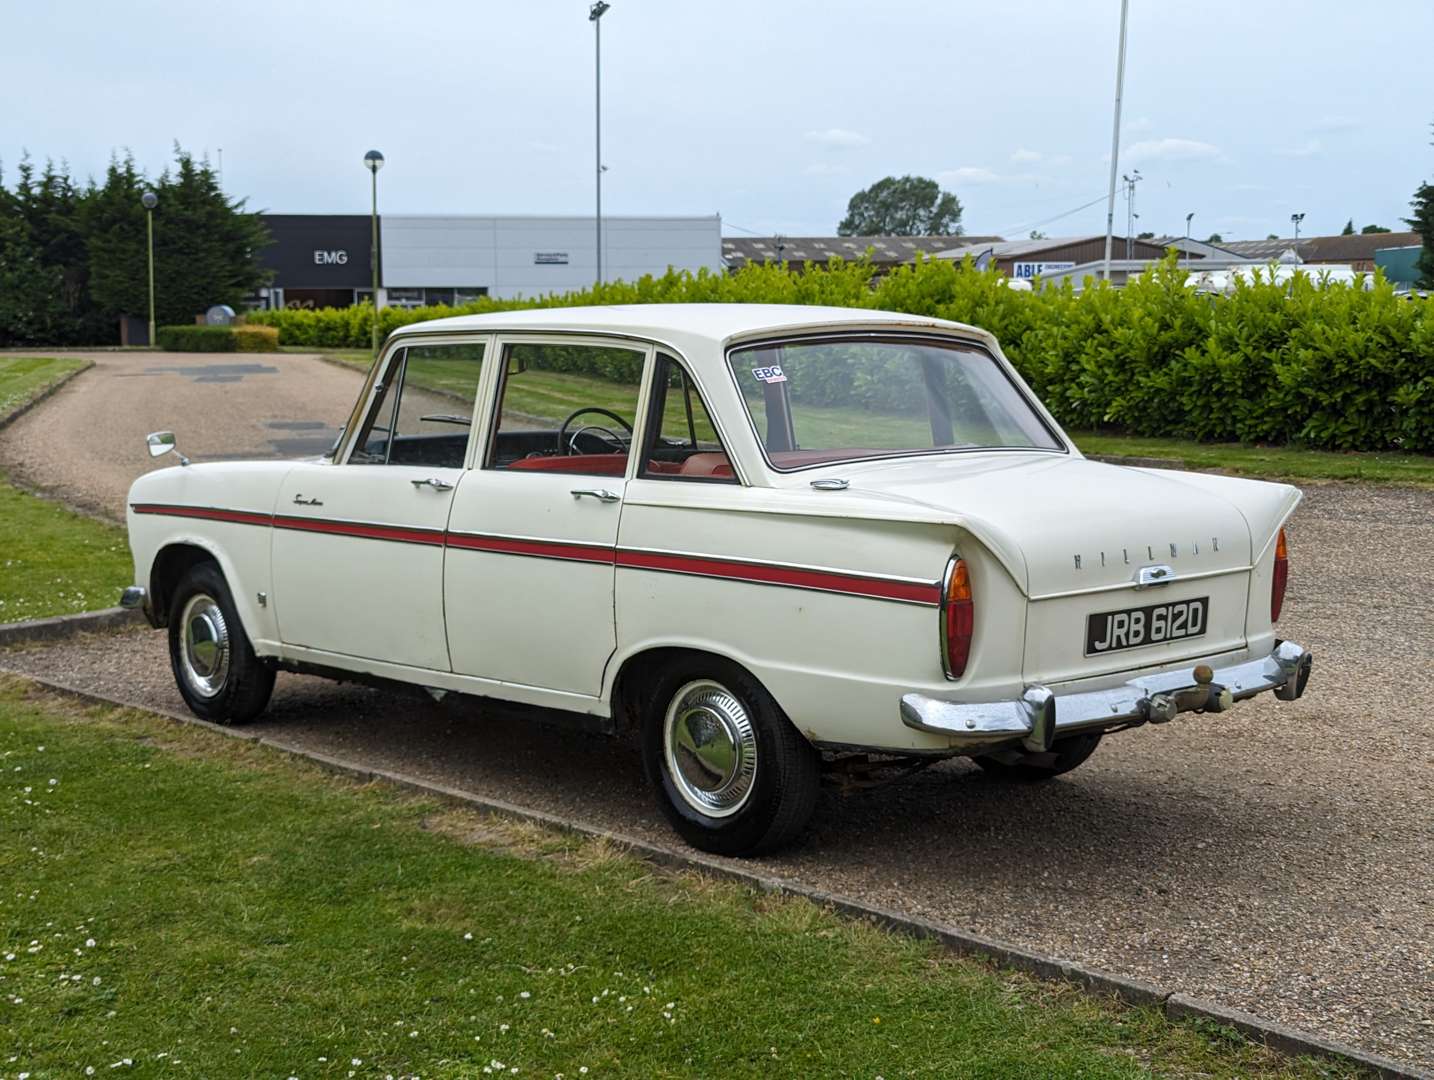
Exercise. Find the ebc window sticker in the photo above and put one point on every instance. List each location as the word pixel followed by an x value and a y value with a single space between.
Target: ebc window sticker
pixel 771 374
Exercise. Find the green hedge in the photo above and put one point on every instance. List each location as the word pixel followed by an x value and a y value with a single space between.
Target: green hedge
pixel 198 338
pixel 195 338
pixel 1333 367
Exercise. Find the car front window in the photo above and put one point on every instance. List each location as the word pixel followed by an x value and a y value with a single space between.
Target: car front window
pixel 843 398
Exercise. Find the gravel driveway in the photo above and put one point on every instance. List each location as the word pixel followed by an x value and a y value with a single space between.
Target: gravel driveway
pixel 1278 859
pixel 86 444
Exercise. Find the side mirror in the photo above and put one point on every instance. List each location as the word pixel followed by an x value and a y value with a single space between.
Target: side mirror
pixel 161 443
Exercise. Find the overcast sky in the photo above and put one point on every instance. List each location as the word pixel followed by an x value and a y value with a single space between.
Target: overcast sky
pixel 771 112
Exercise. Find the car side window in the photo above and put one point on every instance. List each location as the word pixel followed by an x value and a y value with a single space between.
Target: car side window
pixel 566 408
pixel 683 443
pixel 423 411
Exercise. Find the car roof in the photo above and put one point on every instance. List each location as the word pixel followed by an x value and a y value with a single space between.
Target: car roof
pixel 715 323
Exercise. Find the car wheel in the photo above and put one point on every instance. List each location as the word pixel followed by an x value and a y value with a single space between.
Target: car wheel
pixel 218 674
pixel 1062 757
pixel 732 774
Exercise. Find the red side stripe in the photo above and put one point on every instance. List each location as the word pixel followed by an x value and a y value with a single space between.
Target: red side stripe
pixel 700 566
pixel 432 537
pixel 208 513
pixel 543 549
pixel 794 577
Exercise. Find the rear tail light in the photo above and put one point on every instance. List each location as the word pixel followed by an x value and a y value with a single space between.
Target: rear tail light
pixel 1281 576
pixel 958 616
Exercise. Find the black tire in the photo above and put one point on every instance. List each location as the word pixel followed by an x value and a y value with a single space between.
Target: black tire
pixel 1065 755
pixel 770 808
pixel 225 683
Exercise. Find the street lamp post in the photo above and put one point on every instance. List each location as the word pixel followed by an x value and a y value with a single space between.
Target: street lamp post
pixel 1115 138
pixel 374 161
pixel 149 200
pixel 1296 219
pixel 595 14
pixel 1130 214
pixel 1188 218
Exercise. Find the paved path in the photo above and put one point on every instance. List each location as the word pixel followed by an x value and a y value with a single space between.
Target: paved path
pixel 1278 859
pixel 86 444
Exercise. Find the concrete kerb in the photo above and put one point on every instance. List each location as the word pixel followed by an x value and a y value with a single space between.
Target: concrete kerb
pixel 49 391
pixel 1175 1006
pixel 64 626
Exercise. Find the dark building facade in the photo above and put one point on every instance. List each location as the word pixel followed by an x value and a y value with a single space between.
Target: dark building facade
pixel 318 260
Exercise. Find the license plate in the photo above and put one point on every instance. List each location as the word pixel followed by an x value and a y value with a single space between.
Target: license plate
pixel 1131 628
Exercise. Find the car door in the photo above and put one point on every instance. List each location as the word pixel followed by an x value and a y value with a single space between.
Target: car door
pixel 358 544
pixel 532 538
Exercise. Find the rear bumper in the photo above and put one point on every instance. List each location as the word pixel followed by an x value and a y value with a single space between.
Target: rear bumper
pixel 1038 716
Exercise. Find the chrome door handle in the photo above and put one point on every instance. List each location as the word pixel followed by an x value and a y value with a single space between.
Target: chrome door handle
pixel 600 494
pixel 433 482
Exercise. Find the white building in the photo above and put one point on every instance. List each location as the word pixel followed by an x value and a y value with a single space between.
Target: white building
pixel 448 259
pixel 322 260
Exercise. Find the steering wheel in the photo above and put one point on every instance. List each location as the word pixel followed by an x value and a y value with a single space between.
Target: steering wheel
pixel 565 448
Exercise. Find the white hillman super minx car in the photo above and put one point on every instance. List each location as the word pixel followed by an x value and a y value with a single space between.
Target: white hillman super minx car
pixel 765 537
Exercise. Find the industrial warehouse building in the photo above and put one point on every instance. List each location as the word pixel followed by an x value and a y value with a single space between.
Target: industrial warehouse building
pixel 322 260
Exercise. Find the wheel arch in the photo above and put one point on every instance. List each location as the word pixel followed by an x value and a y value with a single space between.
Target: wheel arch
pixel 172 561
pixel 638 668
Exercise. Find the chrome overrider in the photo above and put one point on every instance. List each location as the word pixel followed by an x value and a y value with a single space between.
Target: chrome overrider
pixel 1039 716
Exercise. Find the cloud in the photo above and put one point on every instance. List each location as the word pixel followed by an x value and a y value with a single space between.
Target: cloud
pixel 825 168
pixel 1171 149
pixel 969 174
pixel 1026 157
pixel 1308 148
pixel 837 138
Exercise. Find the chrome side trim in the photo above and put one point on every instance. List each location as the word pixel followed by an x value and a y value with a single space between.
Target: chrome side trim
pixel 1040 715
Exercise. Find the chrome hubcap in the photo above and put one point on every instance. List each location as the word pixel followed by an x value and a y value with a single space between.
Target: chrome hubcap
pixel 204 656
pixel 711 748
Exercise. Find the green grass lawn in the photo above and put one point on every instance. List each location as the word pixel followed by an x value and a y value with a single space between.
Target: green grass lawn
pixel 199 906
pixel 52 561
pixel 25 377
pixel 1267 462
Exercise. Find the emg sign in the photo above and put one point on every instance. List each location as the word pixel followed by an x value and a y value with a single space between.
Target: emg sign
pixel 339 257
pixel 1028 270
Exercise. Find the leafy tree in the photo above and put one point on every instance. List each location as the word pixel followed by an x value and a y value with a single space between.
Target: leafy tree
pixel 73 259
pixel 1145 236
pixel 1423 223
pixel 1036 234
pixel 1348 229
pixel 31 307
pixel 905 206
pixel 204 243
pixel 1215 238
pixel 1370 230
pixel 1273 236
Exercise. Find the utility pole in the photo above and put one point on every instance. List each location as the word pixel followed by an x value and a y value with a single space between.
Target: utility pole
pixel 1296 219
pixel 595 14
pixel 1115 138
